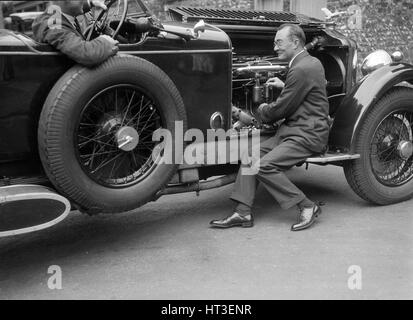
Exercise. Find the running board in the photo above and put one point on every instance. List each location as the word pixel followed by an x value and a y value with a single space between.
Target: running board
pixel 332 157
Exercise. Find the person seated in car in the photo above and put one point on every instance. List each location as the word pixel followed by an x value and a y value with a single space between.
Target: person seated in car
pixel 59 27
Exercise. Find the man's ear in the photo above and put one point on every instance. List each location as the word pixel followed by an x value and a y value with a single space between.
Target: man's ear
pixel 296 42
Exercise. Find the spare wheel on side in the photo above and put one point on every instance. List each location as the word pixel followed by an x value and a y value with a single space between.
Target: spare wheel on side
pixel 95 133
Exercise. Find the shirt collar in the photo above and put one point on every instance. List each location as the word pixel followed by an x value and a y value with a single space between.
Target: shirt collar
pixel 292 60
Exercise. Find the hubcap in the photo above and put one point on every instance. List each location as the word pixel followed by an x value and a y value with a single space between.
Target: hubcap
pixel 127 138
pixel 405 149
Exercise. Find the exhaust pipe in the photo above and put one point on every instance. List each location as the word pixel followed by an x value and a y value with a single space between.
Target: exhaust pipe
pixel 29 208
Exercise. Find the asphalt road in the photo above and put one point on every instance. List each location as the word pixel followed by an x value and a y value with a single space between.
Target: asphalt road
pixel 165 250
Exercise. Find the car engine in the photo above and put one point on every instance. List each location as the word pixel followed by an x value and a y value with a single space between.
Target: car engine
pixel 250 75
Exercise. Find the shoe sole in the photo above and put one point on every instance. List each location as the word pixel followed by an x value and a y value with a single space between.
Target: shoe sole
pixel 242 225
pixel 316 214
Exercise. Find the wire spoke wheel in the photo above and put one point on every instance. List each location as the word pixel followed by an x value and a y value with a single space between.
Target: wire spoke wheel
pixel 391 149
pixel 114 137
pixel 384 172
pixel 96 129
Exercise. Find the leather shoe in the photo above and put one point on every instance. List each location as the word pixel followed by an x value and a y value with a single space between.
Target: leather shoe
pixel 307 218
pixel 235 220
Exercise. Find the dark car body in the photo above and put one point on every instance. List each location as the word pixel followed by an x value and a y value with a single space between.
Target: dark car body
pixel 26 77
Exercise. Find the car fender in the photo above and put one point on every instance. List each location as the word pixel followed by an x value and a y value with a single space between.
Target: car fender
pixel 361 98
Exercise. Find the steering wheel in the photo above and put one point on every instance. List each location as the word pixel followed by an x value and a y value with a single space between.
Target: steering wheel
pixel 117 10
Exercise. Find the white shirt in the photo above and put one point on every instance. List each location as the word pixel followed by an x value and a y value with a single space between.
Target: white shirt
pixel 291 62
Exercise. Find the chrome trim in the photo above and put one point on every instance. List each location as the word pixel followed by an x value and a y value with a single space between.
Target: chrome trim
pixel 177 51
pixel 273 68
pixel 214 117
pixel 355 59
pixel 33 196
pixel 397 56
pixel 332 157
pixel 374 61
pixel 405 149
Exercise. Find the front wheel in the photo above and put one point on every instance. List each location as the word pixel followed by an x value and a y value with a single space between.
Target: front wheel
pixel 384 172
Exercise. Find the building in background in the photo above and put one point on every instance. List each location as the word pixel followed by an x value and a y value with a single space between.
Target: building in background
pixel 311 8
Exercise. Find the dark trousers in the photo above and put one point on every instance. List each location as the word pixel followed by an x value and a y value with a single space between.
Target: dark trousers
pixel 275 158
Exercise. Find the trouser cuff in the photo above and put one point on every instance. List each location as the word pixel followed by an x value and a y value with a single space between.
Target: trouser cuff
pixel 292 202
pixel 241 199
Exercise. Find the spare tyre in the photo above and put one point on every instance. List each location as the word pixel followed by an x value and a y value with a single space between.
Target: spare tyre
pixel 95 133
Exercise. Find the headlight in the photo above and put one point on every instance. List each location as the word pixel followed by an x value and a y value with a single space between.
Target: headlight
pixel 374 61
pixel 397 56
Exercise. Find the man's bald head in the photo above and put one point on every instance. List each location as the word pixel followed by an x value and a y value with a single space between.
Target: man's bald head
pixel 294 32
pixel 289 41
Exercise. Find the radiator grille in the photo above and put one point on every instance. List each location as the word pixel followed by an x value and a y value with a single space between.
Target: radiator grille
pixel 230 16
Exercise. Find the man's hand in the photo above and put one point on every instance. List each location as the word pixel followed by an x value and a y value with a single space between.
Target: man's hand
pixel 98 4
pixel 261 108
pixel 114 43
pixel 276 83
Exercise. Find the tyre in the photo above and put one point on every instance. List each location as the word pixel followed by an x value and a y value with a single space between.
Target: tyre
pixel 95 133
pixel 384 172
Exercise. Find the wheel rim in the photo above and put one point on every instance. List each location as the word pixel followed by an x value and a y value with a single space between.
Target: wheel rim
pixel 391 151
pixel 113 139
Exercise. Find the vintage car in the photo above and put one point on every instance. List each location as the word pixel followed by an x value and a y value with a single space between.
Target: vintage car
pixel 81 138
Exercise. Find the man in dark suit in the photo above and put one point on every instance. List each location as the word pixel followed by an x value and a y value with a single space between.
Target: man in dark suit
pixel 59 27
pixel 304 107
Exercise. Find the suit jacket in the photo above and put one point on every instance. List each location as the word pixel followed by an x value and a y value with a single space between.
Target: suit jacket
pixel 70 41
pixel 303 104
